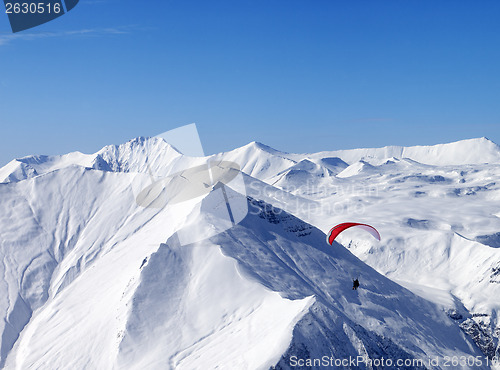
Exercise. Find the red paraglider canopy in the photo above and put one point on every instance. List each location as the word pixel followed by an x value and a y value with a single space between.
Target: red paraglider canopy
pixel 332 234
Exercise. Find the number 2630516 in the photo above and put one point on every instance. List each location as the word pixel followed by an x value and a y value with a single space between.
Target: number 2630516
pixel 33 8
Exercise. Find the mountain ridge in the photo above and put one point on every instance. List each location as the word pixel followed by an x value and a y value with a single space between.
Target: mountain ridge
pixel 74 241
pixel 111 157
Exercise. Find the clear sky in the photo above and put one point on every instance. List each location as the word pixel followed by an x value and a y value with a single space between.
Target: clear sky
pixel 298 75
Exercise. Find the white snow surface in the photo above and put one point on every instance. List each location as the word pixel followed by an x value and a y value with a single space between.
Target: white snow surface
pixel 92 280
pixel 473 151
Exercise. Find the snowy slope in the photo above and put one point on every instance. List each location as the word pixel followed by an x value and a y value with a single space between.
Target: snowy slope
pixel 137 155
pixel 259 160
pixel 216 303
pixel 92 280
pixel 256 159
pixel 473 151
pixel 27 167
pixel 141 155
pixel 292 258
pixel 53 228
pixel 433 220
pixel 302 172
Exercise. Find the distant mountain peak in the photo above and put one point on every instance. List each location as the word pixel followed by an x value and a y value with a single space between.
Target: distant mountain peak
pixel 263 147
pixel 136 155
pixel 142 141
pixel 469 151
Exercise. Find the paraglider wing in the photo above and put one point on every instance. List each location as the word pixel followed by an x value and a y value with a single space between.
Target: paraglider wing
pixel 332 234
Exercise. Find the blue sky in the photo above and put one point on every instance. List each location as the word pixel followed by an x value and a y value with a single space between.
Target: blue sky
pixel 299 76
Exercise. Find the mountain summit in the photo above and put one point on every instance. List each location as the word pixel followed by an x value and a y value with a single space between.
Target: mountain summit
pixel 92 279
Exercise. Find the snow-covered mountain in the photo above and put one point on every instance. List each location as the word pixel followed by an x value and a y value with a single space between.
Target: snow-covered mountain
pixel 138 155
pixel 473 151
pixel 93 280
